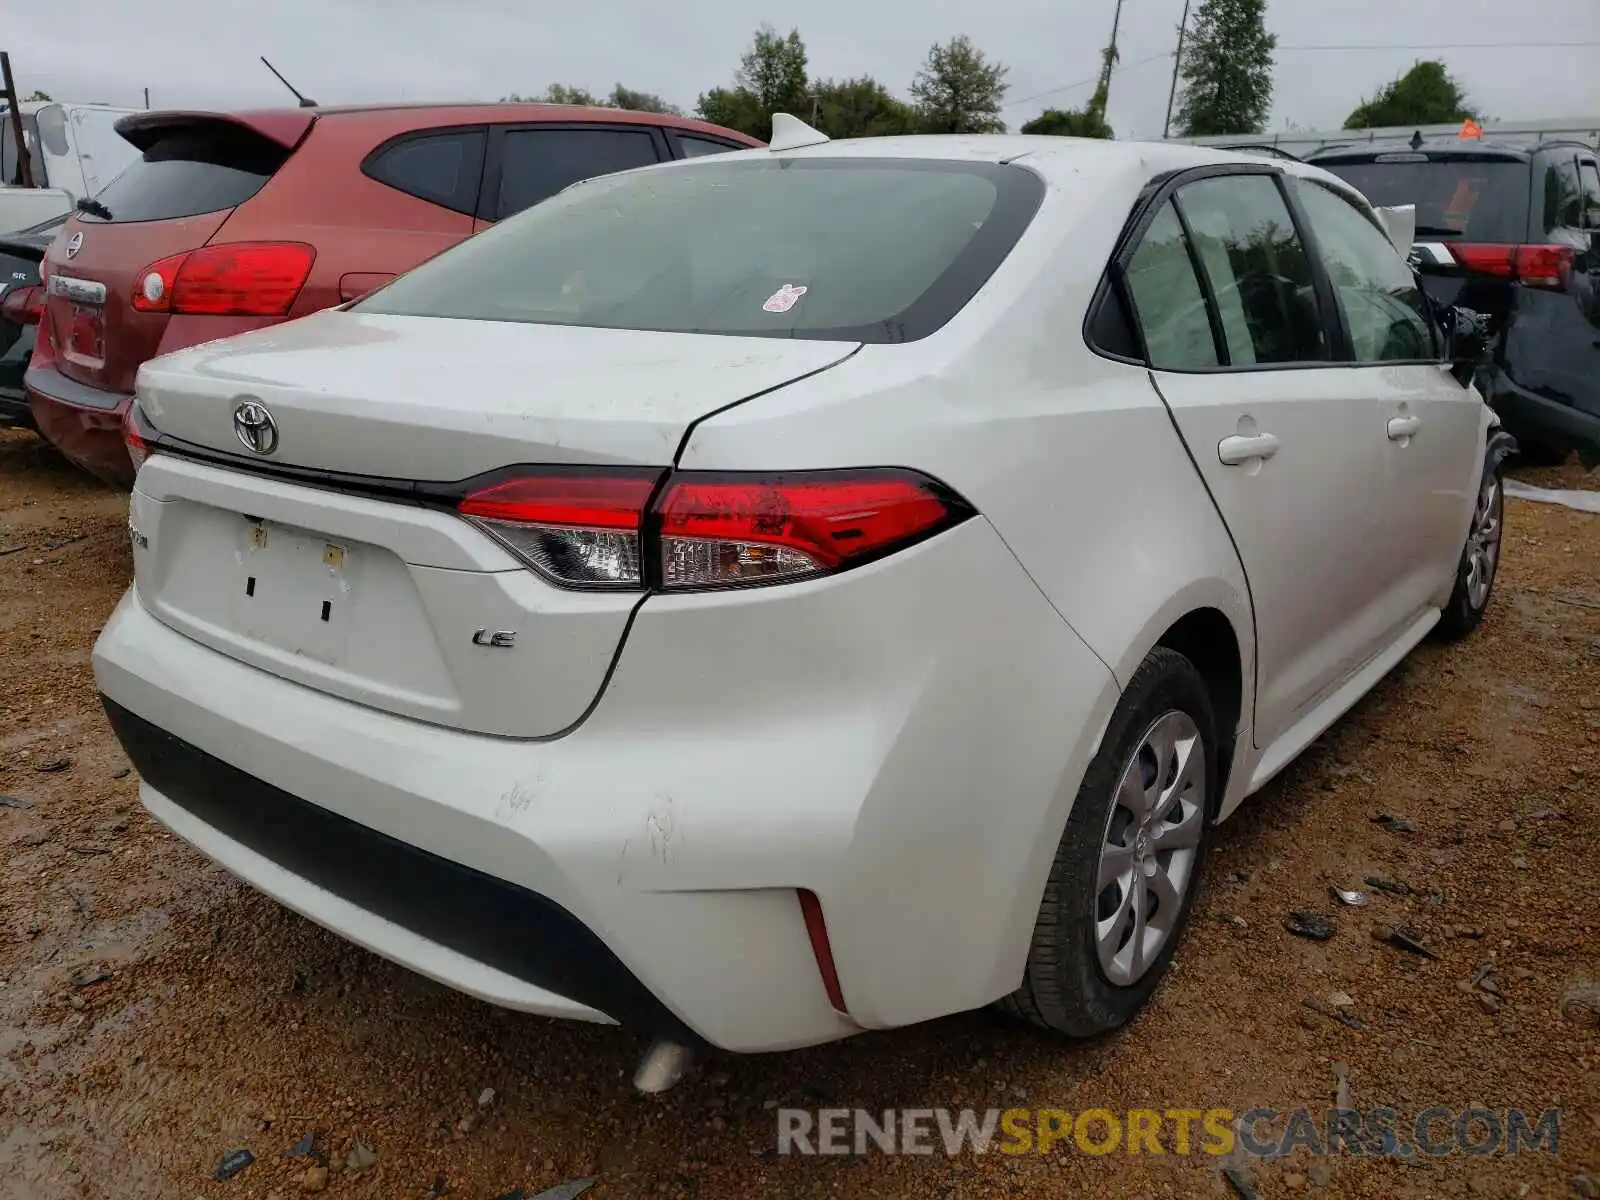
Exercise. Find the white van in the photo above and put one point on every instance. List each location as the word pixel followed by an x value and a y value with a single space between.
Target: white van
pixel 74 150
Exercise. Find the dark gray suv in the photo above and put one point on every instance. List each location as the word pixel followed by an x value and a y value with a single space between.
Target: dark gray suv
pixel 1514 233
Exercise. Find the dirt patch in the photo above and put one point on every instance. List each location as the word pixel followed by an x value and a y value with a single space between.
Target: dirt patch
pixel 156 1015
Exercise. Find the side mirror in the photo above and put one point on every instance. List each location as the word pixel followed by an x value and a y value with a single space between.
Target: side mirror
pixel 1467 340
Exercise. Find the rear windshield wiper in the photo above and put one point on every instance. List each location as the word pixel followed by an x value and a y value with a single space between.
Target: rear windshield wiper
pixel 94 208
pixel 1439 231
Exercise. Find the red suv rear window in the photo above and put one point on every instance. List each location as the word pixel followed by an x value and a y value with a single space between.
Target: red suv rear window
pixel 191 169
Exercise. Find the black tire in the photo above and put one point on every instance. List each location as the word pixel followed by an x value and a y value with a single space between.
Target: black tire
pixel 1064 988
pixel 1467 605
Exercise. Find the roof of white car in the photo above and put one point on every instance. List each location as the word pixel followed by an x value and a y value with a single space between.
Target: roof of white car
pixel 1052 156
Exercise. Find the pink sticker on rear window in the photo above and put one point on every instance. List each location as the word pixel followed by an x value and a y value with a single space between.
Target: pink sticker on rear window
pixel 784 298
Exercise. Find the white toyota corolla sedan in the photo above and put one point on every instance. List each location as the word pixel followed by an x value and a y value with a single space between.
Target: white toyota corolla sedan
pixel 804 590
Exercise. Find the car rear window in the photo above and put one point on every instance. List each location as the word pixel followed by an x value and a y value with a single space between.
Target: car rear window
pixel 189 170
pixel 1475 200
pixel 875 250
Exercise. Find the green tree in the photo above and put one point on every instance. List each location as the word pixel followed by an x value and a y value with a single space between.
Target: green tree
pixel 1427 94
pixel 861 107
pixel 771 78
pixel 1227 69
pixel 958 90
pixel 622 97
pixel 41 97
pixel 1070 122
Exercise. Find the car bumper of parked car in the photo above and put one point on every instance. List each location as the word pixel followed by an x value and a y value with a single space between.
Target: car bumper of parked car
pixel 1545 422
pixel 83 422
pixel 14 410
pixel 648 867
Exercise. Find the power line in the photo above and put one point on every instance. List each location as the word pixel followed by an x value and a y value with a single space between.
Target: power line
pixel 1067 87
pixel 1095 78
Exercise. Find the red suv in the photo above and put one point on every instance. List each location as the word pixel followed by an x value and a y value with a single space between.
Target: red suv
pixel 233 221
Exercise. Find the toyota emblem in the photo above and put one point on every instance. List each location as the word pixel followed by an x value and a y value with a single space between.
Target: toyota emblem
pixel 74 244
pixel 255 428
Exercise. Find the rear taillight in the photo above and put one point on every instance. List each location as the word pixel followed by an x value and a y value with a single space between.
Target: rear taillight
pixel 721 531
pixel 234 279
pixel 133 437
pixel 23 305
pixel 594 528
pixel 1535 266
pixel 579 528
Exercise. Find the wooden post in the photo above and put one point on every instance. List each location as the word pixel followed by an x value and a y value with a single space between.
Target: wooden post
pixel 24 159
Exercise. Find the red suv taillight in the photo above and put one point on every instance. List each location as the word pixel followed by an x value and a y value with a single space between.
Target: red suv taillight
pixel 596 528
pixel 234 279
pixel 1535 266
pixel 23 305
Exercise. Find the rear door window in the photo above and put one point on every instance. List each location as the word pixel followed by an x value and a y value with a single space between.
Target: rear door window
pixel 443 168
pixel 189 170
pixel 1256 269
pixel 1457 196
pixel 535 164
pixel 1378 294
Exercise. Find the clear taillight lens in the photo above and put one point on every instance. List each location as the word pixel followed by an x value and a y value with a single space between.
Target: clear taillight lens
pixel 576 528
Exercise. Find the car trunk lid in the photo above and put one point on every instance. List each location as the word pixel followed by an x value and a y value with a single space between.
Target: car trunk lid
pixel 193 171
pixel 336 559
pixel 423 398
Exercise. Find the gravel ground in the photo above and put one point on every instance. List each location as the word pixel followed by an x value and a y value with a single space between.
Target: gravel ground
pixel 155 1014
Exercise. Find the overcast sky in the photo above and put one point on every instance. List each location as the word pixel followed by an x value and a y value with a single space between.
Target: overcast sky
pixel 204 52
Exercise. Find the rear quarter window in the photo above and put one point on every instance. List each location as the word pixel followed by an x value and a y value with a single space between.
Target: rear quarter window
pixel 189 170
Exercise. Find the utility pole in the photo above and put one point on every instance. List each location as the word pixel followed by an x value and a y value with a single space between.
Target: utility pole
pixel 1177 62
pixel 147 99
pixel 14 102
pixel 1103 90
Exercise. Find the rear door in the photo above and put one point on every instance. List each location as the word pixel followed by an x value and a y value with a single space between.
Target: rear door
pixel 532 162
pixel 1433 425
pixel 1289 441
pixel 192 172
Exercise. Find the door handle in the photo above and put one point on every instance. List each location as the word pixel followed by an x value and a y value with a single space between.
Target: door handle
pixel 1238 450
pixel 1403 427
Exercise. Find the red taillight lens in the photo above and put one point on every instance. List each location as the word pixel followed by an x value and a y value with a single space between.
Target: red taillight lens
pixel 23 305
pixel 721 531
pixel 133 437
pixel 586 527
pixel 822 948
pixel 1545 266
pixel 1535 266
pixel 235 279
pixel 578 528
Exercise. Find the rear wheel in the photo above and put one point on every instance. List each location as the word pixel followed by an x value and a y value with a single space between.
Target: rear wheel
pixel 1125 871
pixel 1480 560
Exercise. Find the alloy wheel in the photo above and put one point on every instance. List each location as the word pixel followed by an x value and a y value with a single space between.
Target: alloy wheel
pixel 1150 848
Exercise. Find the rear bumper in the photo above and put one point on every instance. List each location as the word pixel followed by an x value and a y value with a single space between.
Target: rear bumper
pixel 84 423
pixel 511 945
pixel 904 741
pixel 1531 417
